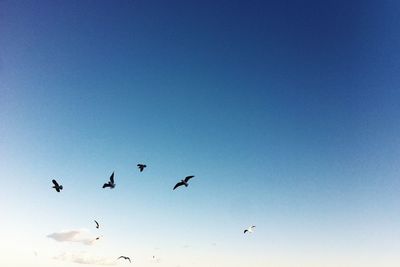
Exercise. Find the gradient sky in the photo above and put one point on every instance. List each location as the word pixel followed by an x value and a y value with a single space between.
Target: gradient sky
pixel 287 112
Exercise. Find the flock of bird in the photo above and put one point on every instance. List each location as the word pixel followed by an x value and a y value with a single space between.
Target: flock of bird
pixel 111 184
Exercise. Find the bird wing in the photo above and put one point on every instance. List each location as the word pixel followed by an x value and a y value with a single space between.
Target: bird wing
pixel 106 185
pixel 253 227
pixel 178 185
pixel 57 189
pixel 97 224
pixel 129 259
pixel 112 178
pixel 245 231
pixel 187 178
pixel 55 183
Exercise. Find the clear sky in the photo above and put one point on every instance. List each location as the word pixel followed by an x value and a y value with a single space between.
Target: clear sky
pixel 287 113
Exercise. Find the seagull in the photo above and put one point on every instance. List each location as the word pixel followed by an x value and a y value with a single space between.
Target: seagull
pixel 183 182
pixel 56 186
pixel 141 166
pixel 97 224
pixel 250 229
pixel 124 257
pixel 110 183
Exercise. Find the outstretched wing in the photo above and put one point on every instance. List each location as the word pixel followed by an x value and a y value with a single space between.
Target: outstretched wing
pixel 124 257
pixel 245 231
pixel 129 259
pixel 55 183
pixel 97 224
pixel 187 178
pixel 178 185
pixel 112 178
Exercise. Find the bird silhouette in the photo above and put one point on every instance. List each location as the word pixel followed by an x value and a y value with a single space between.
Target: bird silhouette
pixel 57 186
pixel 97 224
pixel 110 183
pixel 183 182
pixel 124 257
pixel 141 166
pixel 250 229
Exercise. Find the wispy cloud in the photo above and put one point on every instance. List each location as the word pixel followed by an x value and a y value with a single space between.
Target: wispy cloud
pixel 80 236
pixel 84 258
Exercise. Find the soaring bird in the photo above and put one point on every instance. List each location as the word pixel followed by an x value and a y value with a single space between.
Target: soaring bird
pixel 141 166
pixel 97 224
pixel 250 229
pixel 124 257
pixel 110 183
pixel 57 186
pixel 184 182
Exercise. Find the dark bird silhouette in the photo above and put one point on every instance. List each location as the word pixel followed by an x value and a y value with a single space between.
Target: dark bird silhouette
pixel 57 186
pixel 97 224
pixel 124 257
pixel 110 183
pixel 250 229
pixel 183 182
pixel 141 166
pixel 97 238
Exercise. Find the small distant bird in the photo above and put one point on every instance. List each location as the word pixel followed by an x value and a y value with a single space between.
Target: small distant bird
pixel 97 238
pixel 141 166
pixel 57 186
pixel 184 182
pixel 110 183
pixel 124 257
pixel 97 224
pixel 250 229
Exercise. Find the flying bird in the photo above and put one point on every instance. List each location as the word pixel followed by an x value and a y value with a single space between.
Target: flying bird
pixel 183 182
pixel 141 166
pixel 124 257
pixel 97 224
pixel 250 229
pixel 57 186
pixel 110 183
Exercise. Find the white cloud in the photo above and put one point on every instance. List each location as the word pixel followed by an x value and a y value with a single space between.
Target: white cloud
pixel 84 258
pixel 80 236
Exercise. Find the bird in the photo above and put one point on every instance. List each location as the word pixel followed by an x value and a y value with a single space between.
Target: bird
pixel 184 182
pixel 97 238
pixel 141 166
pixel 124 257
pixel 110 183
pixel 97 224
pixel 57 186
pixel 250 229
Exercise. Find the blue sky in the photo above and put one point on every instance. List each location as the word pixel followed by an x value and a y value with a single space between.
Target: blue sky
pixel 286 112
